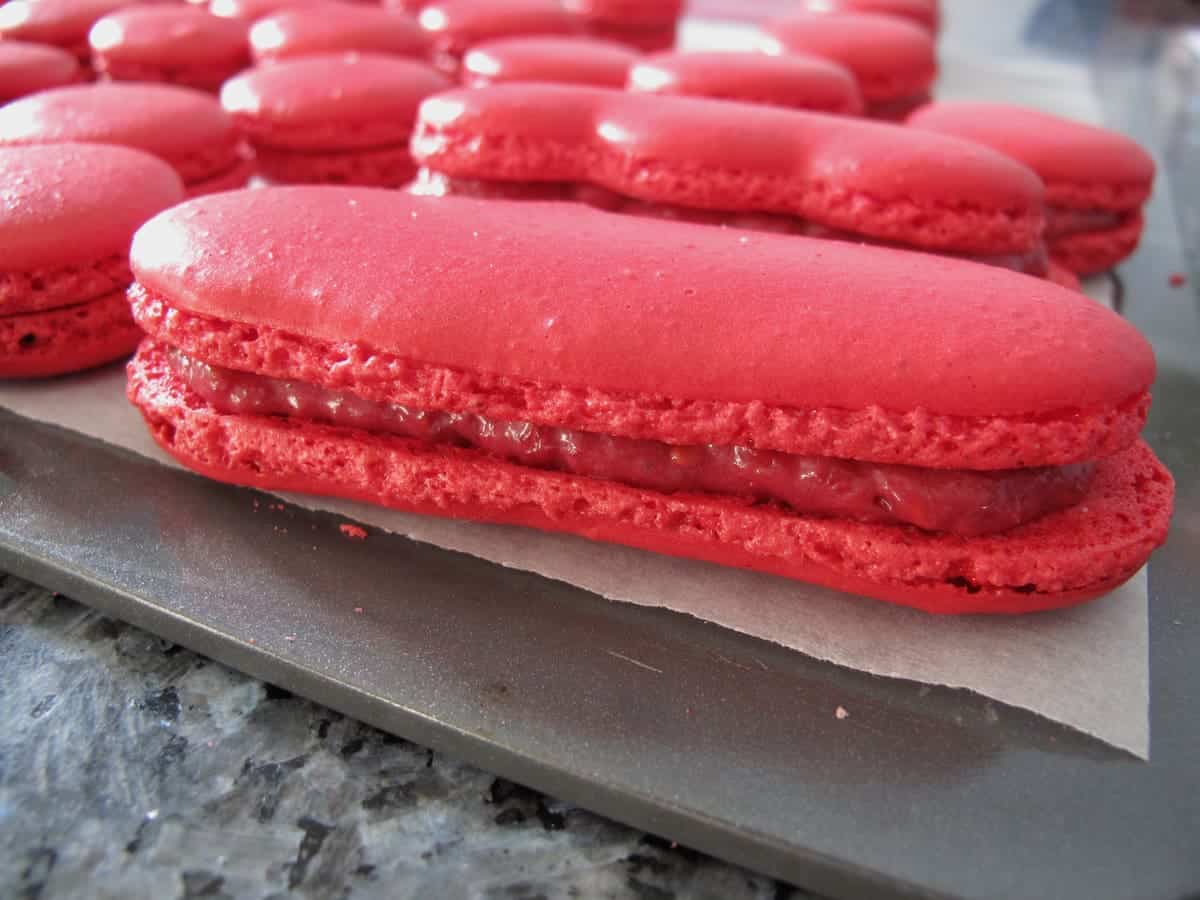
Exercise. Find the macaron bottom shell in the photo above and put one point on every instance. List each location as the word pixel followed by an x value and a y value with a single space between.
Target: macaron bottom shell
pixel 201 77
pixel 1091 252
pixel 234 177
pixel 67 339
pixel 1059 560
pixel 379 167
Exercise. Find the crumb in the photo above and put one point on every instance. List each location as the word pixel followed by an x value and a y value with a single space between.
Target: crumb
pixel 1177 279
pixel 354 532
pixel 841 713
pixel 251 640
pixel 358 610
pixel 289 637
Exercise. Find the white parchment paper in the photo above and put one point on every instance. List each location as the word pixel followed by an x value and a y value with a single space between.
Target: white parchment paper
pixel 1085 667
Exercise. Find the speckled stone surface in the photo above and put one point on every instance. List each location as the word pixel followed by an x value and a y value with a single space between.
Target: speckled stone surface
pixel 131 767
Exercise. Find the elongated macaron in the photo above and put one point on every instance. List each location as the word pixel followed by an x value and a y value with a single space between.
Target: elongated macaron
pixel 926 13
pixel 337 27
pixel 922 430
pixel 171 43
pixel 894 61
pixel 794 80
pixel 553 58
pixel 1096 180
pixel 182 126
pixel 27 68
pixel 455 26
pixel 797 171
pixel 59 23
pixel 67 215
pixel 342 118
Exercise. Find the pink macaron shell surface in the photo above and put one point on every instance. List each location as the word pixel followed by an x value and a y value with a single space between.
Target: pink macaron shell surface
pixel 333 27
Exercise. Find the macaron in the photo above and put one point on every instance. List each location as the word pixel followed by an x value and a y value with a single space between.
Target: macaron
pixel 648 25
pixel 176 44
pixel 894 61
pixel 252 10
pixel 572 60
pixel 185 127
pixel 926 13
pixel 338 118
pixel 336 27
pixel 794 80
pixel 27 68
pixel 1096 180
pixel 67 215
pixel 60 23
pixel 455 26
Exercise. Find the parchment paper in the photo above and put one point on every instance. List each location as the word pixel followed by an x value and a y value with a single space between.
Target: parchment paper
pixel 1086 667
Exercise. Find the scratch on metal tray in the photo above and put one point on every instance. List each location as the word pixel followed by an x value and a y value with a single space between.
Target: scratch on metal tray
pixel 636 662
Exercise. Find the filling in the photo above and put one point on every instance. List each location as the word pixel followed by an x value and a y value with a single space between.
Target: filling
pixel 1061 221
pixel 960 502
pixel 1034 261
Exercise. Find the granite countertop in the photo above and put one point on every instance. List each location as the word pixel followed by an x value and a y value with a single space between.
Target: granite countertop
pixel 131 767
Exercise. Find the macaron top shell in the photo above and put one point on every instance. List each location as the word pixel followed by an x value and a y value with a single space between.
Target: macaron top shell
pixel 795 80
pixel 64 23
pixel 627 12
pixel 251 10
pixel 168 35
pixel 26 68
pixel 640 307
pixel 576 60
pixel 333 27
pixel 891 58
pixel 457 25
pixel 72 204
pixel 926 13
pixel 175 123
pixel 358 98
pixel 1071 157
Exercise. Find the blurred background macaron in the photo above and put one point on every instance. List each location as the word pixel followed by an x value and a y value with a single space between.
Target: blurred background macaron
pixel 27 68
pixel 60 23
pixel 561 59
pixel 67 215
pixel 341 118
pixel 182 126
pixel 172 43
pixel 335 27
pixel 648 25
pixel 926 13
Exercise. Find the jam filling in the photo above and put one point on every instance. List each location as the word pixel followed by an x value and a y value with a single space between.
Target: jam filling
pixel 960 502
pixel 1061 222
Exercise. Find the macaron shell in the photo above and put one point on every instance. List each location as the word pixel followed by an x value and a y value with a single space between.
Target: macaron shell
pixel 925 13
pixel 839 172
pixel 68 339
pixel 1011 370
pixel 627 12
pixel 185 127
pixel 33 290
pixel 26 68
pixel 646 38
pixel 1090 252
pixel 1084 167
pixel 67 205
pixel 333 101
pixel 169 36
pixel 891 58
pixel 63 23
pixel 455 26
pixel 1058 560
pixel 236 176
pixel 795 80
pixel 375 167
pixel 573 60
pixel 335 27
pixel 252 10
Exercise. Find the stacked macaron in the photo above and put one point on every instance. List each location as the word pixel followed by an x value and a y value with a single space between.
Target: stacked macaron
pixel 184 127
pixel 169 43
pixel 338 118
pixel 67 215
pixel 1096 180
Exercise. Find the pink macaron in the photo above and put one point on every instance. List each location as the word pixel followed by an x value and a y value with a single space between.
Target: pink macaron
pixel 67 215
pixel 28 68
pixel 573 60
pixel 336 27
pixel 926 13
pixel 648 25
pixel 252 10
pixel 60 23
pixel 794 80
pixel 894 61
pixel 171 43
pixel 185 127
pixel 336 118
pixel 455 26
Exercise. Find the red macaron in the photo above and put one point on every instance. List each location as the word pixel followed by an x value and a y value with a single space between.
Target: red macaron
pixel 339 118
pixel 567 60
pixel 1096 180
pixel 455 26
pixel 185 127
pixel 648 25
pixel 28 68
pixel 174 44
pixel 61 23
pixel 926 13
pixel 67 215
pixel 337 27
pixel 894 61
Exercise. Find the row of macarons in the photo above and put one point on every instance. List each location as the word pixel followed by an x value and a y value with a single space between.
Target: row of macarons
pixel 891 58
